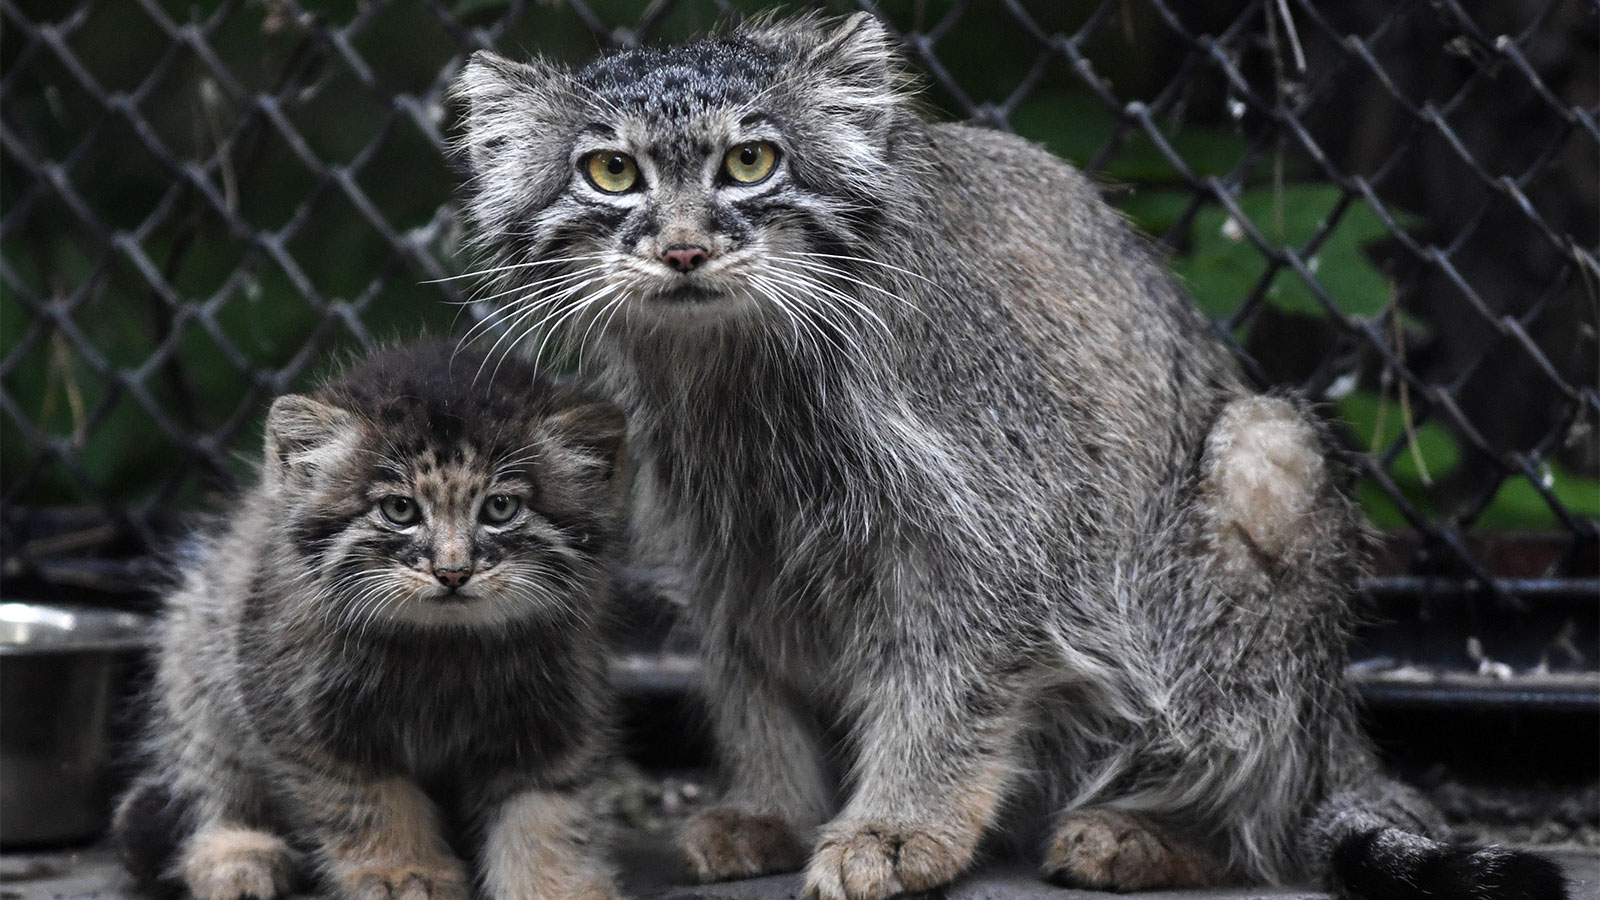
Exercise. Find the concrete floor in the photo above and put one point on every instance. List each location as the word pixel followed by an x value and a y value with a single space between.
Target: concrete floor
pixel 93 874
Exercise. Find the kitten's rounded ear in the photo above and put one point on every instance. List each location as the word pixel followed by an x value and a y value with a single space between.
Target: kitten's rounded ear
pixel 304 433
pixel 592 434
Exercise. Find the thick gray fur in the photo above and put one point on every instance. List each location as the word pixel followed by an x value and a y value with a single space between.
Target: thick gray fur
pixel 320 685
pixel 956 472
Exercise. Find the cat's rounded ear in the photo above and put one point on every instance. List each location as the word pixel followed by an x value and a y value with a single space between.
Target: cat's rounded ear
pixel 303 434
pixel 859 55
pixel 490 83
pixel 517 125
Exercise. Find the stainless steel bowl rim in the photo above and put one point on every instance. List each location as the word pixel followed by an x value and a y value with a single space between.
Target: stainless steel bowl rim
pixel 70 629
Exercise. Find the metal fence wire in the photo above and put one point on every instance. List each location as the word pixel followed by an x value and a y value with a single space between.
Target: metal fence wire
pixel 1390 204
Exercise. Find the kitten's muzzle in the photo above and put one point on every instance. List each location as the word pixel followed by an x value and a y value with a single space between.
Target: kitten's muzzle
pixel 453 577
pixel 685 257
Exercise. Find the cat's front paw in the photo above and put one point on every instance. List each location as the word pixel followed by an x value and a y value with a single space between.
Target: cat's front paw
pixel 723 843
pixel 857 860
pixel 1108 850
pixel 228 863
pixel 406 882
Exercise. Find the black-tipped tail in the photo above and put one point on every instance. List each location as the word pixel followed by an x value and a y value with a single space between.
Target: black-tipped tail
pixel 1389 864
pixel 146 830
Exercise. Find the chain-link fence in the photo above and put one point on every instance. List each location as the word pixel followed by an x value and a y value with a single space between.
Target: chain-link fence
pixel 1391 204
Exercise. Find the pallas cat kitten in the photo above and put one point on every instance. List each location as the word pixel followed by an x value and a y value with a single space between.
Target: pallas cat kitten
pixel 956 471
pixel 392 651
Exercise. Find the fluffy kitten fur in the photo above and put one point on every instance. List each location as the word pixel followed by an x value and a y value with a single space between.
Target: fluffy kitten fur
pixel 956 472
pixel 327 667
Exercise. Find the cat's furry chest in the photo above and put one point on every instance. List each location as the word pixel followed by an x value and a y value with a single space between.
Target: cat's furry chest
pixel 442 704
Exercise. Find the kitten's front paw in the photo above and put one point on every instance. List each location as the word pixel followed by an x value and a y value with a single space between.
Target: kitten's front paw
pixel 722 843
pixel 1108 850
pixel 403 882
pixel 226 863
pixel 873 860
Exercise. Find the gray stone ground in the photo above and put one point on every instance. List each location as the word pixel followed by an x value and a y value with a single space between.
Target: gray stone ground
pixel 93 874
pixel 646 808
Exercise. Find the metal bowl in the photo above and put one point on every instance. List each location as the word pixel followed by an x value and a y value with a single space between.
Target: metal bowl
pixel 62 670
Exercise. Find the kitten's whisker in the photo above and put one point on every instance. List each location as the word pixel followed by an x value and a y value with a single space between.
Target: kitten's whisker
pixel 374 599
pixel 542 593
pixel 359 585
pixel 361 588
pixel 378 611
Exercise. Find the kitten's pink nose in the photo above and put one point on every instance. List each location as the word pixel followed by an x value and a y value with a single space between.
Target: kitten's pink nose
pixel 452 578
pixel 685 257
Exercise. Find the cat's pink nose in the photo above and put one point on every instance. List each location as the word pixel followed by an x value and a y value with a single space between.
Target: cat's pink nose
pixel 685 257
pixel 452 578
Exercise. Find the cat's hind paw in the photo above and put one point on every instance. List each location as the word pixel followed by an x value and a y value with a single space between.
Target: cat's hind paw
pixel 874 861
pixel 403 882
pixel 723 843
pixel 1108 850
pixel 234 863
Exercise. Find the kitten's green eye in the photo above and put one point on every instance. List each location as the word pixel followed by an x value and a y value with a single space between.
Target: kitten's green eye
pixel 400 510
pixel 750 163
pixel 499 509
pixel 611 171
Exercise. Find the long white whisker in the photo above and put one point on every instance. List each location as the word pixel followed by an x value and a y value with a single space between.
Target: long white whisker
pixel 552 322
pixel 820 293
pixel 773 293
pixel 805 282
pixel 555 300
pixel 513 267
pixel 606 312
pixel 535 297
pixel 812 319
pixel 531 293
pixel 809 261
pixel 539 283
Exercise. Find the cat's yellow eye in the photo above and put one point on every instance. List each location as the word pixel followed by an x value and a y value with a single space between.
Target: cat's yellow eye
pixel 400 511
pixel 611 171
pixel 750 163
pixel 500 509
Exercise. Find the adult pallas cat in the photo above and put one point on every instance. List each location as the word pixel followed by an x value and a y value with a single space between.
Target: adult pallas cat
pixel 956 472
